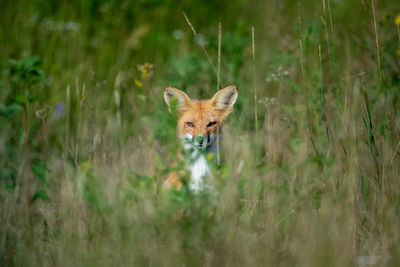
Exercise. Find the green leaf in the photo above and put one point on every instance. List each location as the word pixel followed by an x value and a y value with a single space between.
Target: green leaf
pixel 138 181
pixel 39 169
pixel 20 99
pixel 40 194
pixel 14 107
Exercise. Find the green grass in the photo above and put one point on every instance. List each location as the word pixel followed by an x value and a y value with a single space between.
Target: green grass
pixel 86 139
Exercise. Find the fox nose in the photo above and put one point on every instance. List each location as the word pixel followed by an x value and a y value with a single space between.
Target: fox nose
pixel 199 140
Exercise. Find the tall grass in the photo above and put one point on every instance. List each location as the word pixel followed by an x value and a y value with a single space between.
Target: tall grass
pixel 321 188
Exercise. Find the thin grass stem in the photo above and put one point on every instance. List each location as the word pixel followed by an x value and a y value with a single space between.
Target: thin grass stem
pixel 377 46
pixel 201 46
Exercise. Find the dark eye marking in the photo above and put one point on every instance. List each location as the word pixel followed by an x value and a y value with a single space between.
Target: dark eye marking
pixel 211 123
pixel 189 124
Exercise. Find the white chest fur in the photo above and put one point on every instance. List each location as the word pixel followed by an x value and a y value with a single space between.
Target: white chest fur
pixel 199 170
pixel 198 164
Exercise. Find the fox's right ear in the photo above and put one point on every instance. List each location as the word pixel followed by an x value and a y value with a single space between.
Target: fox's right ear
pixel 182 99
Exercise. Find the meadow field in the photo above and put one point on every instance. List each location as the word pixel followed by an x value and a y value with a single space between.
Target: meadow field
pixel 310 157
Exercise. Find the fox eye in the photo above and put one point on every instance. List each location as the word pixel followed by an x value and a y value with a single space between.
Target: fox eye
pixel 189 124
pixel 211 123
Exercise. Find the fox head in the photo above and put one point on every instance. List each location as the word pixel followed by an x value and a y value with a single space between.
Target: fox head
pixel 200 120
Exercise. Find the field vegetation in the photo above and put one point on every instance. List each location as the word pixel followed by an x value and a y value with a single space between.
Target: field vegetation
pixel 310 157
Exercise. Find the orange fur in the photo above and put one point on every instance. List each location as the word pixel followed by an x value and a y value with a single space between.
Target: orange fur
pixel 172 181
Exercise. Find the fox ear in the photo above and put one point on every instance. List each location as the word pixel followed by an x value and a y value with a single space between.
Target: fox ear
pixel 225 98
pixel 182 98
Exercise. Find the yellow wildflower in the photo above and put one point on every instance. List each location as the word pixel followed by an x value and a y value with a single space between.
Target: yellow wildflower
pixel 86 166
pixel 210 157
pixel 397 20
pixel 138 83
pixel 398 52
pixel 146 69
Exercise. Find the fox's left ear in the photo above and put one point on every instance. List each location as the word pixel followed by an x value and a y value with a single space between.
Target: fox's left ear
pixel 225 98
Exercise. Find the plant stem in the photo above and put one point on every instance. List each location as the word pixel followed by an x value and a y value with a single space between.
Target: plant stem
pixel 377 46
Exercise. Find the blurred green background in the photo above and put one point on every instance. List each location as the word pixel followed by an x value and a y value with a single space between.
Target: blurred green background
pixel 86 138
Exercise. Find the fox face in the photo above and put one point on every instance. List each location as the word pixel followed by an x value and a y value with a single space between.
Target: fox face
pixel 200 120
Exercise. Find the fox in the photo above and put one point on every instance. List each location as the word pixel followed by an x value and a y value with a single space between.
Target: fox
pixel 199 128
